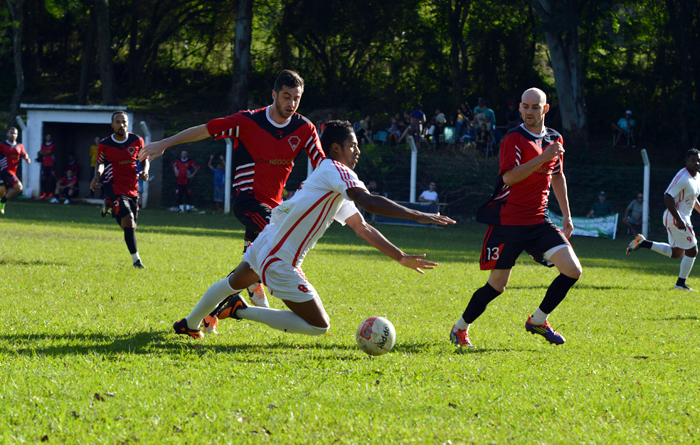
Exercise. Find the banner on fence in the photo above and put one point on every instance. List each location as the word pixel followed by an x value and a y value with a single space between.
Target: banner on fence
pixel 605 226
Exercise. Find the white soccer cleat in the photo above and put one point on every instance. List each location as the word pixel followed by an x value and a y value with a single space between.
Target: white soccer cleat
pixel 53 200
pixel 635 244
pixel 685 288
pixel 257 296
pixel 66 202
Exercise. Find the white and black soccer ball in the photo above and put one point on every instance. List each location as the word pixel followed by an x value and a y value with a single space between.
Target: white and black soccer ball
pixel 376 336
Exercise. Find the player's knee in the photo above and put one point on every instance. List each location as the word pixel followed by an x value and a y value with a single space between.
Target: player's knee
pixel 319 330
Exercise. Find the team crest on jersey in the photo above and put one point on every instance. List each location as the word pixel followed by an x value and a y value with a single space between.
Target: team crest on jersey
pixel 131 150
pixel 294 142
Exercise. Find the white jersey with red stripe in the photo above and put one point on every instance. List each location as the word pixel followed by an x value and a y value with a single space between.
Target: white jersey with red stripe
pixel 685 189
pixel 299 222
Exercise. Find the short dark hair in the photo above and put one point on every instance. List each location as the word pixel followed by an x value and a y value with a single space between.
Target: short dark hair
pixel 119 112
pixel 335 132
pixel 288 78
pixel 692 152
pixel 12 128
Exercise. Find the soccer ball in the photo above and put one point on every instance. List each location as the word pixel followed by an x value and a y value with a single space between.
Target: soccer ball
pixel 376 336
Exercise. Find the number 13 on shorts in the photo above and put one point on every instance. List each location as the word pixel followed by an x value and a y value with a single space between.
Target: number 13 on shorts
pixel 490 255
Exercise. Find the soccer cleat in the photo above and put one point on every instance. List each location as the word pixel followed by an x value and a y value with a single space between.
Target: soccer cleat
pixel 229 309
pixel 182 328
pixel 53 201
pixel 67 201
pixel 546 331
pixel 257 296
pixel 460 337
pixel 139 265
pixel 635 244
pixel 104 210
pixel 210 323
pixel 43 195
pixel 2 208
pixel 684 287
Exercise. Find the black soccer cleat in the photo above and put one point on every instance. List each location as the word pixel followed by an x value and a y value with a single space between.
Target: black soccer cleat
pixel 229 309
pixel 139 265
pixel 181 327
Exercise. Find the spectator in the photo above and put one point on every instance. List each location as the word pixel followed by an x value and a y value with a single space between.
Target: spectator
pixel 393 133
pixel 430 196
pixel 372 188
pixel 483 137
pixel 408 130
pixel 624 126
pixel 72 164
pixel 438 124
pixel 48 171
pixel 219 181
pixel 93 159
pixel 490 115
pixel 478 108
pixel 512 116
pixel 184 169
pixel 363 134
pixel 633 214
pixel 66 188
pixel 463 120
pixel 601 208
pixel 417 122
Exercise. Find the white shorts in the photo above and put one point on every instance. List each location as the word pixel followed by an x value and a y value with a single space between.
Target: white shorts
pixel 685 239
pixel 285 282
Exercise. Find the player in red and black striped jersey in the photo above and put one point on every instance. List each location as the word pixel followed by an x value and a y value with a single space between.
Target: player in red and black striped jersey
pixel 184 169
pixel 531 159
pixel 10 154
pixel 267 141
pixel 121 150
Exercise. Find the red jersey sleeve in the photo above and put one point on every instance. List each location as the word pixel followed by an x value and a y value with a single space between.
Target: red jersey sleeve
pixel 313 147
pixel 509 158
pixel 225 127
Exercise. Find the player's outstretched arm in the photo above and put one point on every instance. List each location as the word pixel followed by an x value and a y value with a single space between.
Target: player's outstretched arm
pixel 561 192
pixel 375 239
pixel 380 205
pixel 155 149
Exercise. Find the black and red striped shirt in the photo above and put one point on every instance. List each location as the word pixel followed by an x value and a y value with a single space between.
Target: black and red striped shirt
pixel 122 156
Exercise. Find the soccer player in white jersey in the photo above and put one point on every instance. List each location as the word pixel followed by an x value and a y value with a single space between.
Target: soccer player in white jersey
pixel 681 198
pixel 276 255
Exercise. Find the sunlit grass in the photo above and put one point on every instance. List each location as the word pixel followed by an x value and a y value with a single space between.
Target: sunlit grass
pixel 87 354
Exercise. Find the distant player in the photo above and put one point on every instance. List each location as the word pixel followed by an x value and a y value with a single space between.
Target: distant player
pixel 10 152
pixel 267 141
pixel 121 150
pixel 48 167
pixel 296 225
pixel 531 159
pixel 184 169
pixel 681 198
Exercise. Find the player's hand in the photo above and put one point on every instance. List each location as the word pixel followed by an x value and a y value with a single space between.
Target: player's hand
pixel 144 176
pixel 680 224
pixel 553 150
pixel 416 262
pixel 435 218
pixel 189 175
pixel 95 183
pixel 211 157
pixel 152 150
pixel 568 226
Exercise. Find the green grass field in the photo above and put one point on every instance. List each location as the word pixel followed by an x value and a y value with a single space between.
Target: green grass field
pixel 87 353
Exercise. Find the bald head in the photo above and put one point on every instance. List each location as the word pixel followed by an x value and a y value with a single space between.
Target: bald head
pixel 534 96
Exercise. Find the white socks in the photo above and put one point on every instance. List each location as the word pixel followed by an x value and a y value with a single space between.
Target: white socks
pixel 539 317
pixel 135 257
pixel 282 320
pixel 462 325
pixel 211 298
pixel 662 248
pixel 686 266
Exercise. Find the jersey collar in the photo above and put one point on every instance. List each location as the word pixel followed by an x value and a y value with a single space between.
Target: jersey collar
pixel 544 131
pixel 275 124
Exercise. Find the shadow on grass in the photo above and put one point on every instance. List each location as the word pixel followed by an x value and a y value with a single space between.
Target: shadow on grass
pixel 19 262
pixel 145 343
pixel 676 318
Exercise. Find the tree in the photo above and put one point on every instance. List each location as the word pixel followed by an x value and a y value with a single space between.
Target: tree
pixel 241 55
pixel 104 51
pixel 87 59
pixel 560 20
pixel 15 8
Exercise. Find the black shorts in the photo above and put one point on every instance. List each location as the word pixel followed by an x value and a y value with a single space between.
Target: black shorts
pixel 8 179
pixel 123 206
pixel 254 215
pixel 503 244
pixel 48 172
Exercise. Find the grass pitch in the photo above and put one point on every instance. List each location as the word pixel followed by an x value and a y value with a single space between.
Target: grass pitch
pixel 87 353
